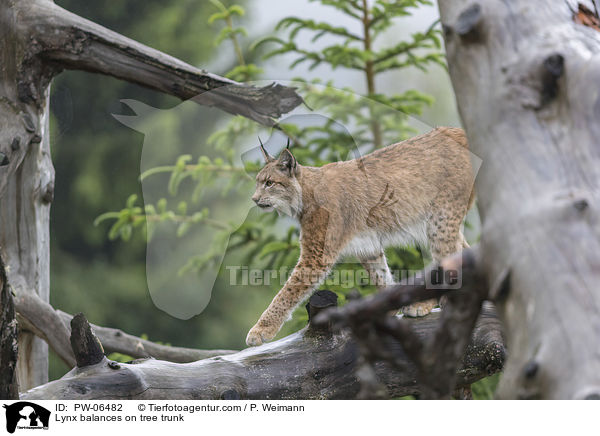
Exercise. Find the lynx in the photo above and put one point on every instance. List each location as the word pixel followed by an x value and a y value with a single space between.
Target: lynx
pixel 416 191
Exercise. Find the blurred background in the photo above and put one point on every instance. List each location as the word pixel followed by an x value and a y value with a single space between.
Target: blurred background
pixel 97 159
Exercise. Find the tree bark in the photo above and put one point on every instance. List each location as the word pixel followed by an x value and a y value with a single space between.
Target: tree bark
pixel 38 40
pixel 9 387
pixel 314 363
pixel 26 181
pixel 526 78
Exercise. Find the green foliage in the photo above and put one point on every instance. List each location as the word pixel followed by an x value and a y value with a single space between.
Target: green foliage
pixel 242 72
pixel 372 121
pixel 355 51
pixel 485 388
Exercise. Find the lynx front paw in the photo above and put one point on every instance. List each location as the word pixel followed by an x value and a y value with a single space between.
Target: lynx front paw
pixel 258 335
pixel 419 309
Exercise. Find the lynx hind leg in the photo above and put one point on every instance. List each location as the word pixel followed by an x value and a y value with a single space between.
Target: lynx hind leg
pixel 445 238
pixel 444 235
pixel 378 270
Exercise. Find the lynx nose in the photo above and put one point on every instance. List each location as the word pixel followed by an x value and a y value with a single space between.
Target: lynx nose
pixel 256 198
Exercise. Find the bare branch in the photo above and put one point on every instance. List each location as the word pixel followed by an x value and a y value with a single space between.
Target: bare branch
pixel 53 326
pixel 64 40
pixel 117 341
pixel 40 318
pixel 440 356
pixel 396 296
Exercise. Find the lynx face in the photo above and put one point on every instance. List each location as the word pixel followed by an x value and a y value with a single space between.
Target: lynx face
pixel 277 186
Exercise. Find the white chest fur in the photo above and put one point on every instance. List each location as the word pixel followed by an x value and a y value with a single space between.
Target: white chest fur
pixel 372 243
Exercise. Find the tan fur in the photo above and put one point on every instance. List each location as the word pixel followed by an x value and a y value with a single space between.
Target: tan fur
pixel 416 191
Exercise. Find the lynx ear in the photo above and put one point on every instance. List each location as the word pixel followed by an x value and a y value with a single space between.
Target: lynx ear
pixel 287 161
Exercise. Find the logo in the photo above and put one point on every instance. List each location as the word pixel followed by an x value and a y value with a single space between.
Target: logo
pixel 26 415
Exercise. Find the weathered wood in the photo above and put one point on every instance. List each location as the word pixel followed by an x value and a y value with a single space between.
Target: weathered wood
pixel 26 180
pixel 39 318
pixel 86 346
pixel 440 356
pixel 69 41
pixel 117 341
pixel 527 91
pixel 9 387
pixel 309 364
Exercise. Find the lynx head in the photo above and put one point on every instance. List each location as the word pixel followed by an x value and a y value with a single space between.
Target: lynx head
pixel 277 186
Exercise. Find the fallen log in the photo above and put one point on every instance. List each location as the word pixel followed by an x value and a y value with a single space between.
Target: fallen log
pixel 314 363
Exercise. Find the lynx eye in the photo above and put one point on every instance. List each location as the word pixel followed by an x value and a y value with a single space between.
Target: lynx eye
pixel 268 183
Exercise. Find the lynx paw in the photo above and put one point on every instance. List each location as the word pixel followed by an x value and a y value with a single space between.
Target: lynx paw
pixel 419 309
pixel 258 335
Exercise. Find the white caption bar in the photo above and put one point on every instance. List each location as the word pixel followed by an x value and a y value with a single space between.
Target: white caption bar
pixel 298 417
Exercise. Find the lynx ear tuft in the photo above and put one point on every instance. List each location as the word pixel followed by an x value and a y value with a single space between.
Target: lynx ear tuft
pixel 287 161
pixel 265 154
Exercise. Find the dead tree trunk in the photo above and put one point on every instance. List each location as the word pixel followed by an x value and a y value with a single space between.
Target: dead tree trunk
pixel 314 363
pixel 38 40
pixel 526 78
pixel 26 178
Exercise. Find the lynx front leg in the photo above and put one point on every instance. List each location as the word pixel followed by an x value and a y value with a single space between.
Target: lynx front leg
pixel 321 239
pixel 305 277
